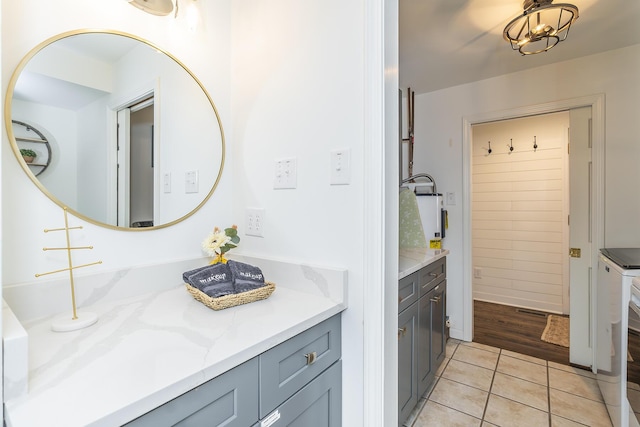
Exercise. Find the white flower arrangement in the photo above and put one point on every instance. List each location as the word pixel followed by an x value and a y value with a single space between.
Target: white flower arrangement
pixel 220 242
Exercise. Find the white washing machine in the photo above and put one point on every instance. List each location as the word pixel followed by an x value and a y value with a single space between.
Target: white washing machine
pixel 616 269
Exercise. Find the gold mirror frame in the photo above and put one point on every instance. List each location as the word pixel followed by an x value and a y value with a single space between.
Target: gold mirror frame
pixel 36 181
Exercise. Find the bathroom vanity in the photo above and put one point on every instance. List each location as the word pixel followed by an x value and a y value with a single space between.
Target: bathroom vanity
pixel 158 357
pixel 422 290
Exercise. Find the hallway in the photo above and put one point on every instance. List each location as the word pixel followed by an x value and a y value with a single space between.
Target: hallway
pixel 480 385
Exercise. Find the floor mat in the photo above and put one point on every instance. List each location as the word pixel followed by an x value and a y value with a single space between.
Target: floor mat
pixel 556 331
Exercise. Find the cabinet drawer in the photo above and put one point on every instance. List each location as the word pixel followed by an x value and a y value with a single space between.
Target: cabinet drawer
pixel 431 275
pixel 318 404
pixel 230 399
pixel 408 291
pixel 288 367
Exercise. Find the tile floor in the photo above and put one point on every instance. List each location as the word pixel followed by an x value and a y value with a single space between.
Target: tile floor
pixel 478 385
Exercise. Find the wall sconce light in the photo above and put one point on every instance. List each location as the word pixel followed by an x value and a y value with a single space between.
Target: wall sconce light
pixel 541 26
pixel 154 7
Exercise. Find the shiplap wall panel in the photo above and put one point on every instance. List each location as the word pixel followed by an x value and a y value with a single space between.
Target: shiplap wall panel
pixel 519 212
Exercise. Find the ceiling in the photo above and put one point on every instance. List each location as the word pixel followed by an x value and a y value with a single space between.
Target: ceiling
pixel 445 43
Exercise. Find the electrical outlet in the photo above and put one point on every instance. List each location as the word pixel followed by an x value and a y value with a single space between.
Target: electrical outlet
pixel 477 273
pixel 286 173
pixel 451 199
pixel 254 223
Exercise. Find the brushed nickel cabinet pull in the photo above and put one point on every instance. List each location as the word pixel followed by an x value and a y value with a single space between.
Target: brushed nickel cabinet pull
pixel 435 299
pixel 311 357
pixel 402 332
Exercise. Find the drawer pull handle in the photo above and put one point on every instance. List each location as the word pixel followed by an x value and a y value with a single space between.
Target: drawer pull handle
pixel 311 357
pixel 433 274
pixel 435 299
pixel 402 332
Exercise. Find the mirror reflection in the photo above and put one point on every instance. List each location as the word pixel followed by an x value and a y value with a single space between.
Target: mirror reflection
pixel 134 140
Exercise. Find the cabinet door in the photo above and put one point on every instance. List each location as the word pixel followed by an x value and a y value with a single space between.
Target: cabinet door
pixel 407 364
pixel 425 372
pixel 431 335
pixel 318 404
pixel 230 399
pixel 438 325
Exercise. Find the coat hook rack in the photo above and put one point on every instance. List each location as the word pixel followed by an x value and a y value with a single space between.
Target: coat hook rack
pixel 489 150
pixel 78 320
pixel 510 146
pixel 535 144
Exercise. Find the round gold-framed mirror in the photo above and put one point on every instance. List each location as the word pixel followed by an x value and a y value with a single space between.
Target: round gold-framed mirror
pixel 136 141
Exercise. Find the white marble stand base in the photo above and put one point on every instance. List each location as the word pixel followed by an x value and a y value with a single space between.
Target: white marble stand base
pixel 65 322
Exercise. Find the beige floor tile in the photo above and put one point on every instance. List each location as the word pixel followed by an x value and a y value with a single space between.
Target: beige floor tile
pixel 579 409
pixel 505 412
pixel 486 424
pixel 524 357
pixel 451 347
pixel 567 368
pixel 523 369
pixel 468 374
pixel 436 415
pixel 461 397
pixel 482 346
pixel 574 384
pixel 477 356
pixel 521 391
pixel 557 421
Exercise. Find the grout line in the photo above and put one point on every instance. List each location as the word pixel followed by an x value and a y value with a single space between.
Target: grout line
pixel 486 404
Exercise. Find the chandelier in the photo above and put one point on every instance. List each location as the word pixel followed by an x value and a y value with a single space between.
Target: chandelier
pixel 542 26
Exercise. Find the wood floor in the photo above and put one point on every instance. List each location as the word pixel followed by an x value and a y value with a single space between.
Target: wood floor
pixel 515 329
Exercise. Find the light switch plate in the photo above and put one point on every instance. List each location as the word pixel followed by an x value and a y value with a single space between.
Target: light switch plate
pixel 166 182
pixel 341 167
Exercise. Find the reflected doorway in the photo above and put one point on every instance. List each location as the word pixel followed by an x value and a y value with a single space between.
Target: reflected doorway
pixel 135 166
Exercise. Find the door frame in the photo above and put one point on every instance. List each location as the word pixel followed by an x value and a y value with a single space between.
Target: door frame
pixel 151 88
pixel 597 104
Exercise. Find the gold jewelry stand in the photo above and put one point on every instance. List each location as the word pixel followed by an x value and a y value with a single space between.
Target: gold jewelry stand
pixel 79 320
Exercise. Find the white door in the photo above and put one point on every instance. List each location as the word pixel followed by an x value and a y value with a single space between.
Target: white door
pixel 124 143
pixel 580 176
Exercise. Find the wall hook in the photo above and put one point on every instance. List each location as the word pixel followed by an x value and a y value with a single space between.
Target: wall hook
pixel 489 150
pixel 511 146
pixel 535 144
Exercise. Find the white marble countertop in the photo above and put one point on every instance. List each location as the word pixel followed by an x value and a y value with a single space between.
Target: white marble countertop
pixel 150 348
pixel 412 260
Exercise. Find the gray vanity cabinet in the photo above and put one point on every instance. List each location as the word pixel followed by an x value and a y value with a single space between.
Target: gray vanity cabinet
pixel 296 383
pixel 421 333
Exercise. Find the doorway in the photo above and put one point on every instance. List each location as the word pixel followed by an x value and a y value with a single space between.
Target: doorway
pixel 135 165
pixel 580 339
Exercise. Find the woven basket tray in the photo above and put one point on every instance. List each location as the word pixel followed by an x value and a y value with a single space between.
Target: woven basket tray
pixel 227 301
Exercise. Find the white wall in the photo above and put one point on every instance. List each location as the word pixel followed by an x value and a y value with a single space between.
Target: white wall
pixel 59 126
pixel 439 133
pixel 206 52
pixel 298 92
pixel 519 211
